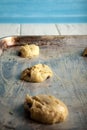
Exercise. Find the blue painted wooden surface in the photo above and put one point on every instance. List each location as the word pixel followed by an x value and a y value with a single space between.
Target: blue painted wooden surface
pixel 43 11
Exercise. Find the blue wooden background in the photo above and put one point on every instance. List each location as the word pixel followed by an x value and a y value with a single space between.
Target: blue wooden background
pixel 43 11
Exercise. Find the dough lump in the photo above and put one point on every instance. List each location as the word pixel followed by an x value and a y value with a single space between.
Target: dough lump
pixel 45 109
pixel 37 73
pixel 29 51
pixel 85 52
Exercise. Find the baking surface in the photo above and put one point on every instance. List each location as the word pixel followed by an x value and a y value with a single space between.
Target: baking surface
pixel 69 83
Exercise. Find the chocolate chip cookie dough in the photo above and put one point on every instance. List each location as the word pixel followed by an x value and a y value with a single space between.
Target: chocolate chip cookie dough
pixel 45 109
pixel 37 73
pixel 85 52
pixel 29 51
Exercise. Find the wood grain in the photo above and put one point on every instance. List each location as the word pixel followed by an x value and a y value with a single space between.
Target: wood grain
pixel 69 83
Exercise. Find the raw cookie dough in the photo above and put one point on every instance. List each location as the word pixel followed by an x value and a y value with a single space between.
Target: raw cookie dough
pixel 85 52
pixel 45 109
pixel 29 51
pixel 37 73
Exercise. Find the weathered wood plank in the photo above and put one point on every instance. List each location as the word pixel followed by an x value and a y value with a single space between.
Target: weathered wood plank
pixel 69 83
pixel 39 29
pixel 9 30
pixel 72 29
pixel 42 29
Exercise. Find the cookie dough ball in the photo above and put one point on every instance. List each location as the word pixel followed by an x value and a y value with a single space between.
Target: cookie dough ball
pixel 85 52
pixel 45 109
pixel 37 73
pixel 29 51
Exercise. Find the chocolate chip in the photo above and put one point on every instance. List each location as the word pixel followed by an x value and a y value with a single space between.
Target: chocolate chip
pixel 29 74
pixel 29 105
pixel 19 54
pixel 48 77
